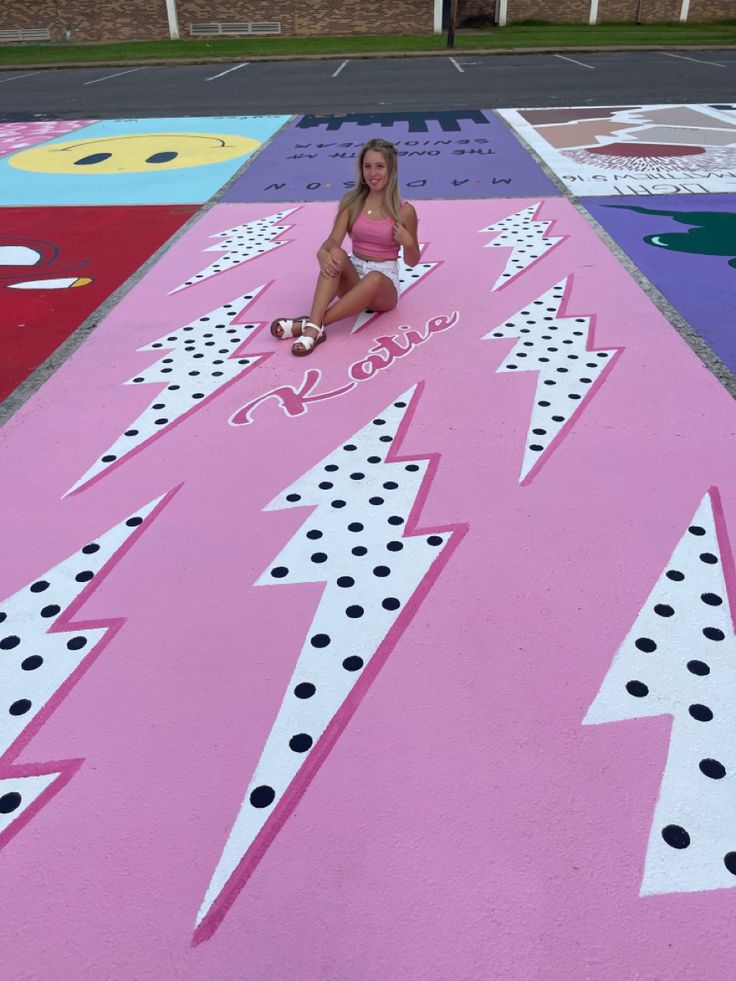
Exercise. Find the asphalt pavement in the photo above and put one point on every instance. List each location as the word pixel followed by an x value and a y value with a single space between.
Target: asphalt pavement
pixel 370 84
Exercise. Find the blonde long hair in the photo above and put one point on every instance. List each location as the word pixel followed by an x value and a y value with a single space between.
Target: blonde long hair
pixel 355 198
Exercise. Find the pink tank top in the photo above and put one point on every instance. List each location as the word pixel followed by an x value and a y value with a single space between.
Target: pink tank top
pixel 374 238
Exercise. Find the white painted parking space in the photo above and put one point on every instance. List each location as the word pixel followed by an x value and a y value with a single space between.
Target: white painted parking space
pixel 700 61
pixel 457 65
pixel 16 77
pixel 575 61
pixel 227 71
pixel 104 78
pixel 335 74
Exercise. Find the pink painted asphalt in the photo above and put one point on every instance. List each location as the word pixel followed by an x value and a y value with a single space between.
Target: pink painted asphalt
pixel 465 824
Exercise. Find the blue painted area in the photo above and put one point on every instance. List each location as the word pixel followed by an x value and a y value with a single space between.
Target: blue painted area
pixel 182 185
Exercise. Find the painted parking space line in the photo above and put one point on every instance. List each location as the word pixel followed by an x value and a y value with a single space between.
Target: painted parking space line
pixel 15 78
pixel 335 74
pixel 116 75
pixel 581 63
pixel 456 65
pixel 227 71
pixel 700 61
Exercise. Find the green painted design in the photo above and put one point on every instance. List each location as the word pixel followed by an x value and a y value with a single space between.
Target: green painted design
pixel 711 232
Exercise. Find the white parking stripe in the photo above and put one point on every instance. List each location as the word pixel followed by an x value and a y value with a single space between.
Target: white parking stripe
pixel 16 77
pixel 456 65
pixel 581 63
pixel 226 72
pixel 335 74
pixel 716 64
pixel 105 77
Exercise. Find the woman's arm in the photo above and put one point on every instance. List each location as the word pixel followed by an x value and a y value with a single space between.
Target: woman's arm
pixel 405 233
pixel 329 254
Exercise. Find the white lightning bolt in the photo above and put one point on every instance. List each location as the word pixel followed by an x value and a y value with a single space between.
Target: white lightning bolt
pixel 241 243
pixel 200 360
pixel 408 276
pixel 557 348
pixel 679 659
pixel 41 654
pixel 354 541
pixel 525 236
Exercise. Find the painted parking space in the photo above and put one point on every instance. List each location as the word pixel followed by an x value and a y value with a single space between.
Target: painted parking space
pixel 435 625
pixel 634 150
pixel 448 154
pixel 57 265
pixel 687 247
pixel 135 161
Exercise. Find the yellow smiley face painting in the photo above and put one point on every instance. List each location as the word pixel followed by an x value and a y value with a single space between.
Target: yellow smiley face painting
pixel 133 154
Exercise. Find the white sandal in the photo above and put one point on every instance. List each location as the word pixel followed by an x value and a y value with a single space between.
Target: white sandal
pixel 308 342
pixel 289 326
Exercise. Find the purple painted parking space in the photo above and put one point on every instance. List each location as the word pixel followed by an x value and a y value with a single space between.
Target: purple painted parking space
pixel 687 247
pixel 448 154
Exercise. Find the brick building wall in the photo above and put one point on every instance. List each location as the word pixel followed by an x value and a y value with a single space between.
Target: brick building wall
pixel 568 11
pixel 123 20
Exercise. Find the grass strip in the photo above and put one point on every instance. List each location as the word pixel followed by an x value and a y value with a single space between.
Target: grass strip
pixel 522 35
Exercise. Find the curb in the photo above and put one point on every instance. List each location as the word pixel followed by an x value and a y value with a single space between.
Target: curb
pixel 364 55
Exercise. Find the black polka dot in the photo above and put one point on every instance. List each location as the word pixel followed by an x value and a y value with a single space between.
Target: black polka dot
pixel 696 530
pixel 134 522
pixel 326 485
pixel 32 662
pixel 10 802
pixel 51 610
pixel 279 571
pixel 675 575
pixel 359 550
pixel 698 667
pixel 645 644
pixel 396 519
pixel 262 796
pixel 390 485
pixel 355 612
pixel 84 576
pixel 385 439
pixel 350 447
pixel 76 643
pixel 331 467
pixel 675 836
pixel 709 558
pixel 355 526
pixel 353 663
pixel 434 540
pixel 314 534
pixel 700 712
pixel 320 640
pixel 20 707
pixel 394 546
pixel 91 548
pixel 357 475
pixel 338 503
pixel 712 768
pixel 108 458
pixel 411 467
pixel 713 633
pixel 637 688
pixel 305 689
pixel 8 643
pixel 391 603
pixel 301 742
pixel 318 557
pixel 379 422
pixel 729 860
pixel 663 610
pixel 345 582
pixel 711 599
pixel 375 500
pixel 39 587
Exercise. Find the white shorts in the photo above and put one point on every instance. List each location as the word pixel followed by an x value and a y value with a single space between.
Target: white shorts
pixel 389 268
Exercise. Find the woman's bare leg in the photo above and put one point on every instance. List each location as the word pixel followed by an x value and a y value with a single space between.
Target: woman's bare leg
pixel 375 291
